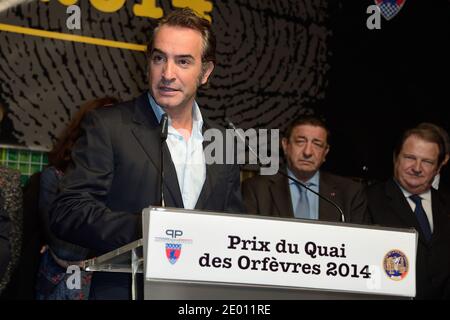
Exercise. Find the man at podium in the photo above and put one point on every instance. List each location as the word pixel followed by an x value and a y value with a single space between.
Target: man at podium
pixel 116 162
pixel 409 201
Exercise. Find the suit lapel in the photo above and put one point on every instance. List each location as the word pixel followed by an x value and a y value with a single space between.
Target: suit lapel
pixel 212 174
pixel 328 189
pixel 281 196
pixel 401 206
pixel 147 132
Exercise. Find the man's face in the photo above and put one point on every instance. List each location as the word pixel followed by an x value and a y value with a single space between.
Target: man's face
pixel 306 150
pixel 175 67
pixel 416 164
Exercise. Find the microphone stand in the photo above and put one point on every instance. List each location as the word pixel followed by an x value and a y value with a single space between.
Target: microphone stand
pixel 283 173
pixel 164 130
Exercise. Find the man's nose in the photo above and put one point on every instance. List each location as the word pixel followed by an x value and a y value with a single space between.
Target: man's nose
pixel 307 151
pixel 417 168
pixel 168 71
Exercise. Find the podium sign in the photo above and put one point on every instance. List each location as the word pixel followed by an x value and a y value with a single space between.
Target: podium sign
pixel 199 247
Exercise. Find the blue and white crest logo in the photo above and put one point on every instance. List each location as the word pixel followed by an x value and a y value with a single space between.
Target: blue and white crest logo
pixel 390 8
pixel 396 265
pixel 173 251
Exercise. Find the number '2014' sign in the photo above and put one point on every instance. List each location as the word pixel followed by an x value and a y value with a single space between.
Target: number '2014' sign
pixel 146 8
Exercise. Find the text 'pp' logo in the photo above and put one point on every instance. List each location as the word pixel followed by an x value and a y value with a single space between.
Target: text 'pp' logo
pixel 174 233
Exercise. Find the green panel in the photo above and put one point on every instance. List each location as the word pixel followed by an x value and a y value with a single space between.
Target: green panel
pixel 24 168
pixel 12 155
pixel 24 156
pixel 2 155
pixel 13 165
pixel 36 157
pixel 26 161
pixel 24 180
pixel 35 168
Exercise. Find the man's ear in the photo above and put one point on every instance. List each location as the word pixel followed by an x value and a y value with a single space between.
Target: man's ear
pixel 326 152
pixel 447 157
pixel 440 167
pixel 207 69
pixel 284 144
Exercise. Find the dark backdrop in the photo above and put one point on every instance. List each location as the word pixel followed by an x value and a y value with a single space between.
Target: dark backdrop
pixel 276 60
pixel 384 81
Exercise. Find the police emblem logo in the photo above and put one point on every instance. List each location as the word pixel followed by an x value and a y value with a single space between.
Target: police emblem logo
pixel 396 265
pixel 389 8
pixel 173 251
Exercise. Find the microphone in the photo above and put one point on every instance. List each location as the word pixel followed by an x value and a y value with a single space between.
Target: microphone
pixel 283 173
pixel 164 127
pixel 163 134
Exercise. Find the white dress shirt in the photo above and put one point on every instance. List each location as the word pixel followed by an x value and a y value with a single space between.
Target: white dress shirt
pixel 426 204
pixel 187 156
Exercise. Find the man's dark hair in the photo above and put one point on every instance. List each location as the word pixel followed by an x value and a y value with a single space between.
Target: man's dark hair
pixel 425 133
pixel 187 18
pixel 307 120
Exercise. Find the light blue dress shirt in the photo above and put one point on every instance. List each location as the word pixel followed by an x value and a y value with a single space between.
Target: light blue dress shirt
pixel 187 156
pixel 313 199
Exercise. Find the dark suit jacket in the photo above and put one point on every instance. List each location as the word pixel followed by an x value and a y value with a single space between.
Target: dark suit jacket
pixel 116 174
pixel 270 196
pixel 389 207
pixel 444 192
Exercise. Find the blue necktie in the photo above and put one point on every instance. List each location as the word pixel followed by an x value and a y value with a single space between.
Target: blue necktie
pixel 421 217
pixel 302 208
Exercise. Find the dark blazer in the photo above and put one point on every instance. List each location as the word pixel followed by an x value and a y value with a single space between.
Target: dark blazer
pixel 270 196
pixel 116 174
pixel 444 192
pixel 389 207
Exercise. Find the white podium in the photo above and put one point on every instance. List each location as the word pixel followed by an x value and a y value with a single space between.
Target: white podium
pixel 188 254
